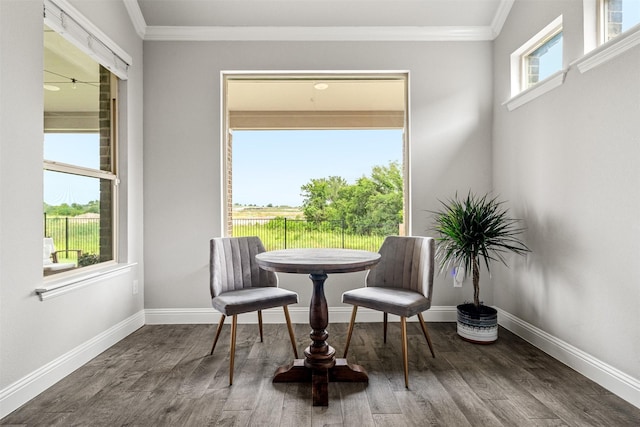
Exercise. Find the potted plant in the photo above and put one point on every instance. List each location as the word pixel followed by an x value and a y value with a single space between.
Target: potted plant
pixel 474 229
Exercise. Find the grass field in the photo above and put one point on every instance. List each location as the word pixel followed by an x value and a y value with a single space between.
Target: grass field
pixel 277 233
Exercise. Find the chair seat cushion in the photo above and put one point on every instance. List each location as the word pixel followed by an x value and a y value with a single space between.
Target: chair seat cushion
pixel 401 302
pixel 252 299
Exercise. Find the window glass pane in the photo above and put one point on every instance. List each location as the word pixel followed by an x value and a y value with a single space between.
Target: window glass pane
pixel 72 217
pixel 544 61
pixel 337 176
pixel 79 103
pixel 64 188
pixel 349 196
pixel 79 149
pixel 630 13
pixel 621 15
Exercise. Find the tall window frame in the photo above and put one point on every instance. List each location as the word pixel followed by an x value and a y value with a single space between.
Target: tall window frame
pixel 78 34
pixel 276 122
pixel 106 173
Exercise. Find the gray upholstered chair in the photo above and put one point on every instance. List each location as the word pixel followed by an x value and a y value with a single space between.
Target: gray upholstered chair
pixel 401 284
pixel 239 286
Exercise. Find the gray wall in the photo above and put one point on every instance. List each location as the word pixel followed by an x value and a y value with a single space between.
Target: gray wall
pixel 451 109
pixel 569 162
pixel 33 332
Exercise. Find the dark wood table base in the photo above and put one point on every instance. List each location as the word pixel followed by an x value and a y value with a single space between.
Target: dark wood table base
pixel 320 365
pixel 342 371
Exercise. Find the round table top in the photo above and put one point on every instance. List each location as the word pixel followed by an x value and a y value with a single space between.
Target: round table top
pixel 317 260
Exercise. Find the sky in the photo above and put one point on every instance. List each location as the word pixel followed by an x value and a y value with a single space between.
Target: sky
pixel 74 148
pixel 269 167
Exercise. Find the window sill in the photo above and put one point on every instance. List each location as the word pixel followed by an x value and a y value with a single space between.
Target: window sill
pixel 53 287
pixel 609 50
pixel 548 84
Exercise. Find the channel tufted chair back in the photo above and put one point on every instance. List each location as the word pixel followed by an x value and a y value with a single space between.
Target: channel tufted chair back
pixel 401 284
pixel 406 263
pixel 239 286
pixel 233 265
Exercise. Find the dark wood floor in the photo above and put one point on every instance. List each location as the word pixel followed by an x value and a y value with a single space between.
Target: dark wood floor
pixel 163 376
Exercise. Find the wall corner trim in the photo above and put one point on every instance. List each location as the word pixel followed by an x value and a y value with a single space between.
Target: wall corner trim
pixel 137 19
pixel 501 16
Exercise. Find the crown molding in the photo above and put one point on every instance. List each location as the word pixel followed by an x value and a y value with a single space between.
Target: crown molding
pixel 162 33
pixel 501 16
pixel 137 19
pixel 268 33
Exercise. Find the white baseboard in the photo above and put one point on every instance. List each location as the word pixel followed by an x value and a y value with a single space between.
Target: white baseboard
pixel 20 392
pixel 28 387
pixel 614 380
pixel 163 316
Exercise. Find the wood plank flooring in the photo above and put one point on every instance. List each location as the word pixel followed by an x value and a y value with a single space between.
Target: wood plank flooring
pixel 163 376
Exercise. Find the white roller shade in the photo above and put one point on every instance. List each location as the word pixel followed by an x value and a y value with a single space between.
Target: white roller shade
pixel 63 18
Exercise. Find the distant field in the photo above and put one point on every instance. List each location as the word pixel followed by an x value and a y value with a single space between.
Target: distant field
pixel 266 212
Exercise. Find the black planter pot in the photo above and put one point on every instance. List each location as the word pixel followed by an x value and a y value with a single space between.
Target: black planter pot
pixel 477 324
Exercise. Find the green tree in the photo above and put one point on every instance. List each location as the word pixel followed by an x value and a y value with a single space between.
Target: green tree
pixel 373 205
pixel 74 209
pixel 320 195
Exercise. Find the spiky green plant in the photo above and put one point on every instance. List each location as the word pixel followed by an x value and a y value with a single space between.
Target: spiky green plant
pixel 473 228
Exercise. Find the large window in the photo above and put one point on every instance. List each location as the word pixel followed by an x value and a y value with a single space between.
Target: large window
pixel 617 16
pixel 316 160
pixel 80 181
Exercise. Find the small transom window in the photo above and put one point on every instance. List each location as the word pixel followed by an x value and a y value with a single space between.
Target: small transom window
pixel 537 59
pixel 617 16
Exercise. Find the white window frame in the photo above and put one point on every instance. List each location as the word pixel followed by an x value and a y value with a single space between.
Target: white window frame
pixel 597 53
pixel 519 94
pixel 525 74
pixel 602 23
pixel 62 17
pixel 518 72
pixel 226 135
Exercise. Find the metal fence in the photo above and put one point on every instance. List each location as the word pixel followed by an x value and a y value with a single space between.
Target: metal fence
pixel 284 233
pixel 72 233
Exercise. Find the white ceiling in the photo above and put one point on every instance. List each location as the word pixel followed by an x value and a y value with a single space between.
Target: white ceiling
pixel 318 19
pixel 62 63
pixel 318 13
pixel 340 93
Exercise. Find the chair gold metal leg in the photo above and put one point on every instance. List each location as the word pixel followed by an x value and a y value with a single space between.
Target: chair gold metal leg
pixel 426 334
pixel 215 340
pixel 385 326
pixel 353 320
pixel 289 326
pixel 260 324
pixel 405 350
pixel 234 326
